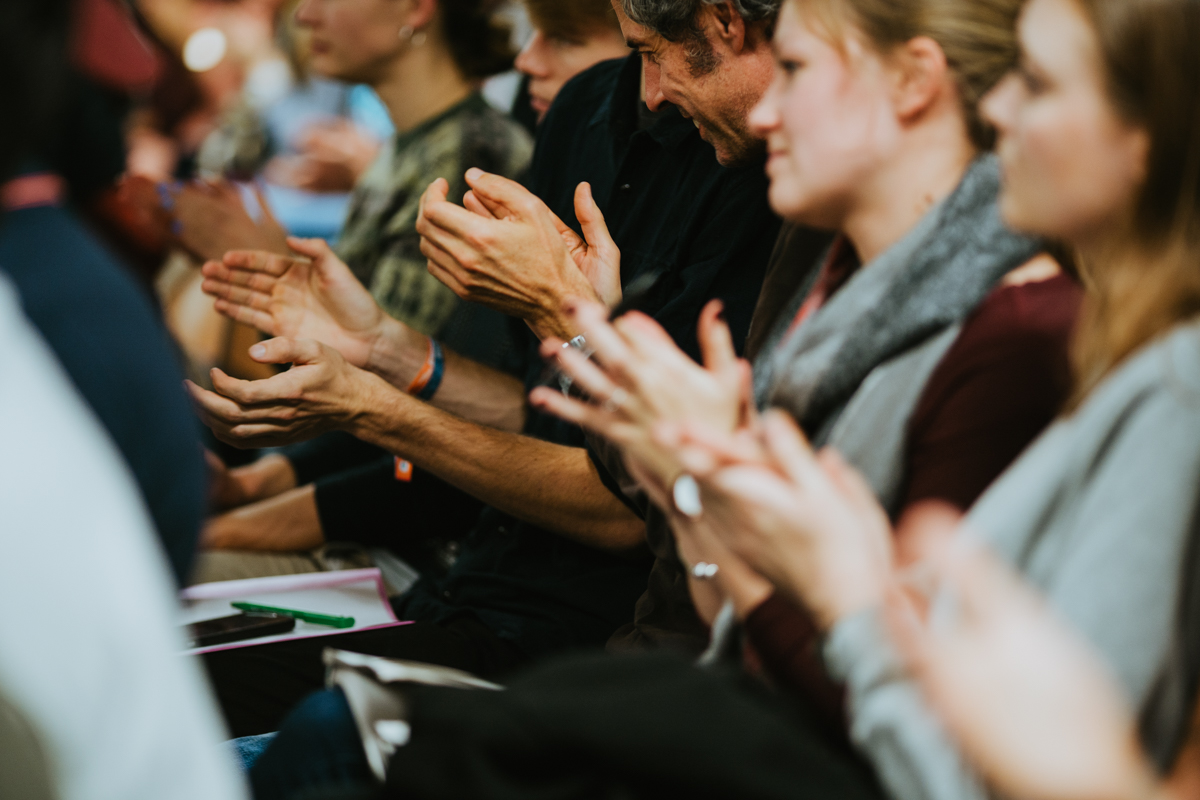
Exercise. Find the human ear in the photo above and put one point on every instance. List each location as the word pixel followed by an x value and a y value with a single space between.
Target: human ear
pixel 421 13
pixel 730 27
pixel 921 75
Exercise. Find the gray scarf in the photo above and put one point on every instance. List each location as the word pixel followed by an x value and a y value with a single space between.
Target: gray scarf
pixel 870 349
pixel 930 280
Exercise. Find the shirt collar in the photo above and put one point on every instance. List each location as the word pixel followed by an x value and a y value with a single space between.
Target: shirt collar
pixel 619 110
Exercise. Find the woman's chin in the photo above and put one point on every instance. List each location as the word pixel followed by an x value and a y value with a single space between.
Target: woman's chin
pixel 786 200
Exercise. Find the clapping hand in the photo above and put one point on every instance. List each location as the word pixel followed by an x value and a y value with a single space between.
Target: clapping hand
pixel 807 522
pixel 1030 704
pixel 641 379
pixel 320 393
pixel 210 219
pixel 506 249
pixel 310 296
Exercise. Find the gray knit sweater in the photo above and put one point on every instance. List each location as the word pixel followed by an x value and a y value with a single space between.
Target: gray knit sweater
pixel 1096 514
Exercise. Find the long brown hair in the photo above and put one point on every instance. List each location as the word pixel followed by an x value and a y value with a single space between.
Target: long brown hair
pixel 979 38
pixel 572 20
pixel 1150 50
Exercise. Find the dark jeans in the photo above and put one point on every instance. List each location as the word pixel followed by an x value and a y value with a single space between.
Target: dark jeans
pixel 317 754
pixel 585 726
pixel 257 686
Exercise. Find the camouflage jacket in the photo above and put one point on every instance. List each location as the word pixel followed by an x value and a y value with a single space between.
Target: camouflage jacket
pixel 379 240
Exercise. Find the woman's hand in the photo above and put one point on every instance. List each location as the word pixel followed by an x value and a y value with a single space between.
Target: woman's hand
pixel 1027 700
pixel 807 522
pixel 640 380
pixel 313 297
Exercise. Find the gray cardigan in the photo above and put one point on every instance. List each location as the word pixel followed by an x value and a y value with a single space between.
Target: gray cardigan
pixel 1096 514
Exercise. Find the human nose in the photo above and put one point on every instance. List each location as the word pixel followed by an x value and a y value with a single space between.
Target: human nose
pixel 999 106
pixel 765 117
pixel 531 60
pixel 304 15
pixel 652 75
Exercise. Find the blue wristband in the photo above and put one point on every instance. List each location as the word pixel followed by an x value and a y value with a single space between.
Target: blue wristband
pixel 439 368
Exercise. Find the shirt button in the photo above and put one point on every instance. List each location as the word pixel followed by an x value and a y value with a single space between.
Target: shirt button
pixel 625 187
pixel 446 594
pixel 502 529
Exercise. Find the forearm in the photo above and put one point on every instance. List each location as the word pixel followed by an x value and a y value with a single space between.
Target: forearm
pixel 468 389
pixel 545 484
pixel 284 523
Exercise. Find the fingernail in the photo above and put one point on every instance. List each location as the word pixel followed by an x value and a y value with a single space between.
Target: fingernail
pixel 258 351
pixel 474 174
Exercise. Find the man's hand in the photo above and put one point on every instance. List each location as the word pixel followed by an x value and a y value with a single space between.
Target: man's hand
pixel 210 220
pixel 311 297
pixel 320 393
pixel 233 488
pixel 507 250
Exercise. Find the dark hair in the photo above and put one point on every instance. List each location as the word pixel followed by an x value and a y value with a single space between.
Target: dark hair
pixel 572 20
pixel 479 40
pixel 675 20
pixel 1150 54
pixel 33 68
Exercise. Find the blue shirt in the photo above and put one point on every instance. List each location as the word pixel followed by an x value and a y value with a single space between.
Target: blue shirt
pixel 109 337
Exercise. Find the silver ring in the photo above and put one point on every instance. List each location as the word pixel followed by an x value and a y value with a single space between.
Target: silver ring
pixel 704 571
pixel 616 400
pixel 686 493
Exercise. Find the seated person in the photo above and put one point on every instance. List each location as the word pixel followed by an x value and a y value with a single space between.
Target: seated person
pixel 97 317
pixel 358 504
pixel 547 564
pixel 1099 513
pixel 425 64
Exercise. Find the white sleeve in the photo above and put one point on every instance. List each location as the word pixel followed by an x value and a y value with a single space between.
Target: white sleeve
pixel 89 643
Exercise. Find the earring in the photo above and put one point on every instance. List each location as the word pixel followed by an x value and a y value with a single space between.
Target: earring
pixel 416 38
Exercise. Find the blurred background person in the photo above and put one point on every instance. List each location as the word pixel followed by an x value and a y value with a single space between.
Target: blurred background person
pixel 86 303
pixel 95 700
pixel 569 36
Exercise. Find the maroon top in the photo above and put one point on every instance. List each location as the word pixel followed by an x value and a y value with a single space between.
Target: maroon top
pixel 1002 381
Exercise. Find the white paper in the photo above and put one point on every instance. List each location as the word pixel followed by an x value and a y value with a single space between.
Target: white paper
pixel 357 593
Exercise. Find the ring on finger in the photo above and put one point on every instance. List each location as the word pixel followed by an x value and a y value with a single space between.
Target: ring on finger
pixel 704 571
pixel 686 494
pixel 616 401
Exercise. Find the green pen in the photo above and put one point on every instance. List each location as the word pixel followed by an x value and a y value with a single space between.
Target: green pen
pixel 304 616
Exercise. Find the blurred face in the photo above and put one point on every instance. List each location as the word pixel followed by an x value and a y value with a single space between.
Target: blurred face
pixel 717 101
pixel 1072 166
pixel 551 61
pixel 354 40
pixel 828 121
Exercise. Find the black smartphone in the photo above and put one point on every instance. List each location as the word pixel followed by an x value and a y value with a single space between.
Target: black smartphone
pixel 238 627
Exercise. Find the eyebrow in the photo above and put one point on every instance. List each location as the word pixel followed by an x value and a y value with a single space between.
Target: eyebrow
pixel 634 44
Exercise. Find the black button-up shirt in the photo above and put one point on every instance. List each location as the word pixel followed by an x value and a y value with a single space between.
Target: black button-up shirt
pixel 671 208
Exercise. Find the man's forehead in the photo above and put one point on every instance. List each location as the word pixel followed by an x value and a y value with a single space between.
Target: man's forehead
pixel 637 37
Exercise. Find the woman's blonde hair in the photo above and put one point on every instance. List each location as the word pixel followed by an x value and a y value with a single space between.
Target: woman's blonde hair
pixel 1150 52
pixel 978 37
